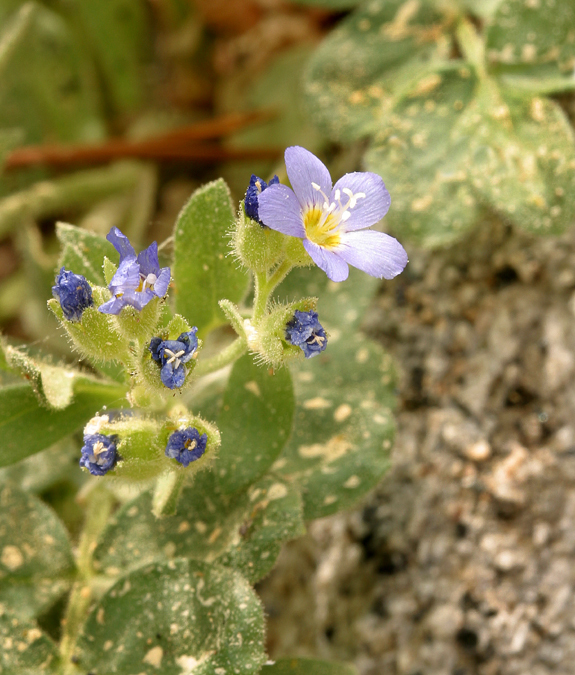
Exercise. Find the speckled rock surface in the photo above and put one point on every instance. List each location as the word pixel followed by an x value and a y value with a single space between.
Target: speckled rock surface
pixel 463 561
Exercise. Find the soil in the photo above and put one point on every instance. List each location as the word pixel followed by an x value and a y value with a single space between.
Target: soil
pixel 461 562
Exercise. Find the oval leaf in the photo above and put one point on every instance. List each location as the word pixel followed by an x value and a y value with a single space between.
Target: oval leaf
pixel 179 617
pixel 203 270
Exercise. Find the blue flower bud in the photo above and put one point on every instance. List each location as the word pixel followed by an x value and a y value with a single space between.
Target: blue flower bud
pixel 172 354
pixel 186 445
pixel 99 454
pixel 306 332
pixel 256 187
pixel 74 294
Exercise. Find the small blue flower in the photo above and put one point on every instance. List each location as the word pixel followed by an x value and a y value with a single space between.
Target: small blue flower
pixel 138 279
pixel 305 331
pixel 172 354
pixel 74 294
pixel 186 446
pixel 99 453
pixel 257 186
pixel 332 220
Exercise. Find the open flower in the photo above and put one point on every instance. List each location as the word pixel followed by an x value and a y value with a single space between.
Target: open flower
pixel 172 354
pixel 256 187
pixel 138 279
pixel 305 331
pixel 186 445
pixel 74 294
pixel 99 454
pixel 332 220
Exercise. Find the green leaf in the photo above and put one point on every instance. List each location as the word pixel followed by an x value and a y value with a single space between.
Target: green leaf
pixel 341 305
pixel 26 650
pixel 48 86
pixel 42 471
pixel 118 33
pixel 255 422
pixel 539 79
pixel 354 76
pixel 523 159
pixel 53 385
pixel 175 618
pixel 27 428
pixel 344 424
pixel 244 531
pixel 83 252
pixel 423 161
pixel 533 32
pixel 297 666
pixel 36 560
pixel 204 271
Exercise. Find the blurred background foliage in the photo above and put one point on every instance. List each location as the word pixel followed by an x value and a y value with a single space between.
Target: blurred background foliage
pixel 112 113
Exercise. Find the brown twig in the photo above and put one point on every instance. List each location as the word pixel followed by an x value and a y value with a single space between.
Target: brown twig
pixel 183 144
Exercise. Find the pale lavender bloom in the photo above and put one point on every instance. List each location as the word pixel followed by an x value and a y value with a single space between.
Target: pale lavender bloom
pixel 138 279
pixel 332 220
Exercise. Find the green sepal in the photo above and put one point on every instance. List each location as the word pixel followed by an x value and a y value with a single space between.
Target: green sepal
pixel 147 370
pixel 140 325
pixel 95 335
pixel 257 247
pixel 140 455
pixel 270 336
pixel 110 269
pixel 180 419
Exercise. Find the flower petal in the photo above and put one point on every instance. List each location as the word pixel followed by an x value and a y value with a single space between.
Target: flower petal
pixel 335 268
pixel 121 243
pixel 280 210
pixel 368 210
pixel 127 276
pixel 113 306
pixel 373 252
pixel 171 377
pixel 303 169
pixel 138 299
pixel 148 260
pixel 162 283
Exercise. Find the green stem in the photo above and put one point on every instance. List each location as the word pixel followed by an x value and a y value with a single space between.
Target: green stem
pixel 98 508
pixel 228 355
pixel 76 190
pixel 265 285
pixel 167 493
pixel 471 45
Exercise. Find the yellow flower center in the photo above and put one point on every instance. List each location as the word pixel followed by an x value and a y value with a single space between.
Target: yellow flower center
pixel 322 225
pixel 321 230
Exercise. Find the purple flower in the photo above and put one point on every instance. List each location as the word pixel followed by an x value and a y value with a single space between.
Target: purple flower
pixel 305 331
pixel 138 279
pixel 99 454
pixel 172 354
pixel 331 220
pixel 74 294
pixel 256 187
pixel 186 446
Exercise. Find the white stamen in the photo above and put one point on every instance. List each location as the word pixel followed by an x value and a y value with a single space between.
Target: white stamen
pixel 345 216
pixel 174 357
pixel 150 280
pixel 316 338
pixel 348 192
pixel 337 195
pixel 98 448
pixel 316 187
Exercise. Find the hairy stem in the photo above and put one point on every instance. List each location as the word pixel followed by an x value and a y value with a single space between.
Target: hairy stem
pixel 228 355
pixel 98 508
